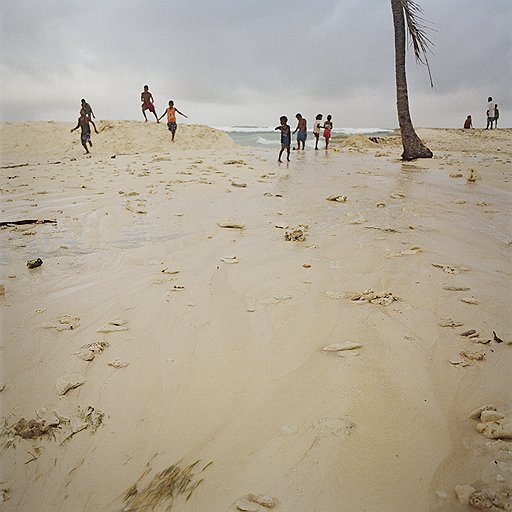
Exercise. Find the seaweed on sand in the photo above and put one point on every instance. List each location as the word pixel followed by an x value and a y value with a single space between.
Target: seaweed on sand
pixel 163 488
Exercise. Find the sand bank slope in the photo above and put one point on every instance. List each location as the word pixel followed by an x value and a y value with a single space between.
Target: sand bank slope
pixel 20 140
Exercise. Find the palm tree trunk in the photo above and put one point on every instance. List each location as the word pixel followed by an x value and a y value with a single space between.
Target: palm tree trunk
pixel 413 147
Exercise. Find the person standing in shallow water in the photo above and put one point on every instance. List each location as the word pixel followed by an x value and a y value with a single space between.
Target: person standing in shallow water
pixel 171 118
pixel 83 124
pixel 316 129
pixel 302 132
pixel 327 130
pixel 286 138
pixel 147 103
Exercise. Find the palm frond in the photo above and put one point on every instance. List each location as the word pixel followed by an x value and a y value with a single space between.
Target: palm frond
pixel 417 27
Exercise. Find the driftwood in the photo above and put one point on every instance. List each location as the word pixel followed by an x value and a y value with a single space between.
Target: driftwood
pixel 27 221
pixel 13 166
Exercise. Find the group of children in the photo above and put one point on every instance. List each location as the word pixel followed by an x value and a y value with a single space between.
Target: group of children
pixel 302 134
pixel 87 115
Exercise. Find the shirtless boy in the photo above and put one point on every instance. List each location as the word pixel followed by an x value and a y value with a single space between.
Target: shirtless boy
pixel 302 131
pixel 147 103
pixel 83 123
pixel 171 118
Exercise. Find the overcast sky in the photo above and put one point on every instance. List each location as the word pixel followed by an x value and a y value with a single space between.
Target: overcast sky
pixel 246 62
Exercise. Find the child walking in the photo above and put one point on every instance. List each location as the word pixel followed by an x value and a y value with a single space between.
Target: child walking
pixel 327 130
pixel 286 137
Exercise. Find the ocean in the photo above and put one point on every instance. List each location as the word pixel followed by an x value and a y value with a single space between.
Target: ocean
pixel 267 136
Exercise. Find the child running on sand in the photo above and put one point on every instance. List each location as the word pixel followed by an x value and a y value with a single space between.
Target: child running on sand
pixel 83 123
pixel 147 103
pixel 316 129
pixel 286 138
pixel 327 130
pixel 171 118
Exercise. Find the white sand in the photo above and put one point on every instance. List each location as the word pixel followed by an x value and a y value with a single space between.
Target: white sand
pixel 225 359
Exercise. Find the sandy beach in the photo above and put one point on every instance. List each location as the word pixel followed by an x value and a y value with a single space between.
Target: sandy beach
pixel 210 330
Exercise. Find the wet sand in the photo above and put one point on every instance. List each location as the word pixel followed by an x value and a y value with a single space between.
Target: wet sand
pixel 212 337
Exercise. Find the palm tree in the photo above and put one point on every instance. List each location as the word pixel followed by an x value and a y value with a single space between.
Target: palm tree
pixel 407 11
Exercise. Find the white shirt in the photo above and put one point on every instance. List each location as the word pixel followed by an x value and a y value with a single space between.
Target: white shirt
pixel 490 109
pixel 316 126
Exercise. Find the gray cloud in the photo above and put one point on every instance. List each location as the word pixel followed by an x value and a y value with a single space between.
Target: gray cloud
pixel 245 62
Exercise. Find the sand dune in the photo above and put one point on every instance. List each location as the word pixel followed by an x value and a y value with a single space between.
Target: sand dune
pixel 33 139
pixel 173 357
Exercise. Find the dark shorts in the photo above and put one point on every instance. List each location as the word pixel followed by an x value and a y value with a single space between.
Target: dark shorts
pixel 148 106
pixel 85 137
pixel 285 145
pixel 302 136
pixel 172 127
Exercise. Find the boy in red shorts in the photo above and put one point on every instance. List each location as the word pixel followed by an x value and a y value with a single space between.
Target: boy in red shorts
pixel 147 103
